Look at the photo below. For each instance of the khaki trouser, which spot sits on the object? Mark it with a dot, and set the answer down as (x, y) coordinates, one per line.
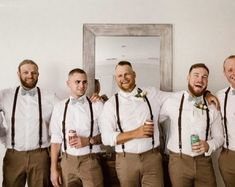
(135, 170)
(187, 171)
(31, 166)
(81, 171)
(227, 167)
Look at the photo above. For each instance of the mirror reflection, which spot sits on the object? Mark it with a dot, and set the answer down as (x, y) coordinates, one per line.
(142, 52)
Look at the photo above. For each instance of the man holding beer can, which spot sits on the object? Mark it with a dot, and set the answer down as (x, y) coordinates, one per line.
(194, 133)
(74, 129)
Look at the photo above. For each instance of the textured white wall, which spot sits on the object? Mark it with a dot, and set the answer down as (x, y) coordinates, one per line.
(50, 32)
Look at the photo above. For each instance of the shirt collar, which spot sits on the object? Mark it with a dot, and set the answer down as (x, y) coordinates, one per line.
(129, 94)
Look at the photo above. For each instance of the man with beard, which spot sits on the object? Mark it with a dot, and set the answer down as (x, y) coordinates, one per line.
(74, 128)
(226, 97)
(194, 133)
(27, 110)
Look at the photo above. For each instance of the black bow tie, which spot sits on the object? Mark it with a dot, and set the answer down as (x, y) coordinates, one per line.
(31, 92)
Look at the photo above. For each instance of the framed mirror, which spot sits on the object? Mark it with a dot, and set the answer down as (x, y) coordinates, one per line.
(161, 33)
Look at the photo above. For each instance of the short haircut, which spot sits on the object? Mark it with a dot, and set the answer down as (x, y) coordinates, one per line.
(228, 58)
(27, 61)
(199, 65)
(122, 63)
(77, 70)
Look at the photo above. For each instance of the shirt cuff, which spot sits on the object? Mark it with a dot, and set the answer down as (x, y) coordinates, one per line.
(56, 139)
(211, 148)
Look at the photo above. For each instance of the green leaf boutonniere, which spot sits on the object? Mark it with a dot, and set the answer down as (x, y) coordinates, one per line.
(201, 106)
(141, 94)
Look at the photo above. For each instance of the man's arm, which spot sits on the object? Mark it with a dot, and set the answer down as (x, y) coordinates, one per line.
(55, 175)
(144, 131)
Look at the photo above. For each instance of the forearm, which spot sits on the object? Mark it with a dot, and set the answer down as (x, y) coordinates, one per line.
(125, 136)
(55, 149)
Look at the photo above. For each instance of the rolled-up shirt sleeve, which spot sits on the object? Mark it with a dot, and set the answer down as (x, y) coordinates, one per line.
(56, 124)
(108, 125)
(217, 135)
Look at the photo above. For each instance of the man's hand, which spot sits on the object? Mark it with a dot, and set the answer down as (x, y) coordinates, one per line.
(200, 147)
(79, 141)
(145, 131)
(95, 97)
(211, 99)
(55, 178)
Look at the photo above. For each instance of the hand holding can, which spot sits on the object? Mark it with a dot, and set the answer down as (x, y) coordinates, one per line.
(194, 139)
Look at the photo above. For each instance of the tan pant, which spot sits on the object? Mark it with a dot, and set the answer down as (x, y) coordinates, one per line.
(81, 171)
(187, 171)
(135, 170)
(227, 167)
(33, 166)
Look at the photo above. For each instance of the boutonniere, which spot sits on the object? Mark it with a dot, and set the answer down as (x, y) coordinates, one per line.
(141, 94)
(201, 106)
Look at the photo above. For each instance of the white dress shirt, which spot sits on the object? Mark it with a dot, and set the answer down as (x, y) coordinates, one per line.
(193, 121)
(230, 113)
(133, 113)
(78, 118)
(26, 118)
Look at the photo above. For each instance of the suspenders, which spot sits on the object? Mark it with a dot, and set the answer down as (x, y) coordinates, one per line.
(13, 117)
(225, 116)
(118, 117)
(180, 119)
(64, 119)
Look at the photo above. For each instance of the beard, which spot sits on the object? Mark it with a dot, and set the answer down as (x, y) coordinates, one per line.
(197, 94)
(28, 85)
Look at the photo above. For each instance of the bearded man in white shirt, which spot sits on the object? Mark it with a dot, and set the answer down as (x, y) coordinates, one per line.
(127, 123)
(27, 110)
(226, 97)
(194, 133)
(74, 129)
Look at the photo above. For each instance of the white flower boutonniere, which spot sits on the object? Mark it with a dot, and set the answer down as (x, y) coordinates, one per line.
(141, 94)
(201, 106)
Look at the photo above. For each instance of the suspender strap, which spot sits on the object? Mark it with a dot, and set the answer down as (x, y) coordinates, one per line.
(207, 118)
(179, 123)
(63, 124)
(92, 122)
(118, 119)
(40, 116)
(13, 118)
(225, 116)
(151, 114)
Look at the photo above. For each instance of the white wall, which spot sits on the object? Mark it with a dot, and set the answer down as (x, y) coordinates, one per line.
(50, 32)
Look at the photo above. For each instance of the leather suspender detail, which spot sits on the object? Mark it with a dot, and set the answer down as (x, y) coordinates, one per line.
(64, 120)
(118, 120)
(40, 116)
(63, 124)
(225, 116)
(13, 117)
(92, 122)
(207, 119)
(179, 123)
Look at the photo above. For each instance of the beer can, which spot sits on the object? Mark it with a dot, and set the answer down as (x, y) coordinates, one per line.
(194, 138)
(72, 134)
